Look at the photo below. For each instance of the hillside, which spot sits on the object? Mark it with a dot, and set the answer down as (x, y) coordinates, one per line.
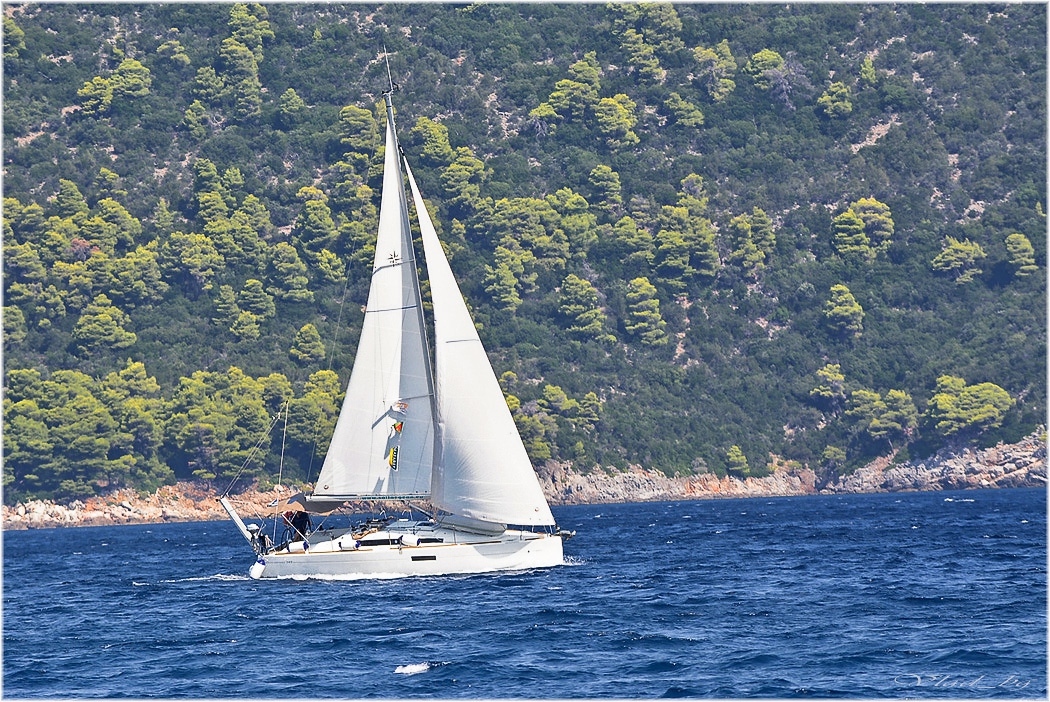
(696, 238)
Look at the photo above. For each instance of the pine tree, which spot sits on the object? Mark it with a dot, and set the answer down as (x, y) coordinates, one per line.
(1022, 254)
(643, 308)
(102, 325)
(307, 347)
(959, 258)
(843, 312)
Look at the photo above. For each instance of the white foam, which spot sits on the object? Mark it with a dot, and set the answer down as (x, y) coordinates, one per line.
(412, 668)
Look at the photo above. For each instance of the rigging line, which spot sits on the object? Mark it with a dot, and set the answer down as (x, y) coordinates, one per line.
(335, 340)
(251, 454)
(280, 472)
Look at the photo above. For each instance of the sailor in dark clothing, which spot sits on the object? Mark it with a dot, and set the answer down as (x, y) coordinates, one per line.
(301, 524)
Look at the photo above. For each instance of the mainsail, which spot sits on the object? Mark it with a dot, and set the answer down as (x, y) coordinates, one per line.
(481, 469)
(383, 445)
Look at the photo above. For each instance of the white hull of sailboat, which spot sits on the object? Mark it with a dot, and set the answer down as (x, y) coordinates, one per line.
(343, 559)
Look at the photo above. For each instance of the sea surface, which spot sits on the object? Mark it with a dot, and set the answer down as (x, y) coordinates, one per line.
(921, 595)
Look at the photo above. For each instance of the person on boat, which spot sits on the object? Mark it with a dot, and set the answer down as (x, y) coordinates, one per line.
(301, 525)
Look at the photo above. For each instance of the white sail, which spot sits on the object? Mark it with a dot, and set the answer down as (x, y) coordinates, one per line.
(383, 444)
(481, 469)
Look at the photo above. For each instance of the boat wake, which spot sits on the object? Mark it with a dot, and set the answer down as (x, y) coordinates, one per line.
(218, 577)
(417, 668)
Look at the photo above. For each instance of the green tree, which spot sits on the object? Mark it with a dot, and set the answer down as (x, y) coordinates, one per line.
(131, 80)
(761, 64)
(631, 244)
(69, 201)
(867, 72)
(606, 187)
(312, 417)
(736, 462)
(878, 221)
(744, 251)
(641, 55)
(671, 260)
(241, 78)
(249, 26)
(830, 392)
(14, 326)
(217, 423)
(572, 97)
(643, 309)
(191, 259)
(717, 68)
(173, 51)
(108, 184)
(14, 39)
(960, 409)
(513, 273)
(463, 178)
(359, 135)
(843, 313)
(577, 222)
(226, 308)
(849, 238)
(136, 279)
(307, 347)
(959, 258)
(96, 96)
(898, 416)
(579, 306)
(314, 229)
(616, 120)
(102, 325)
(762, 232)
(685, 113)
(253, 298)
(433, 136)
(209, 86)
(291, 108)
(245, 327)
(835, 102)
(1022, 255)
(195, 120)
(287, 273)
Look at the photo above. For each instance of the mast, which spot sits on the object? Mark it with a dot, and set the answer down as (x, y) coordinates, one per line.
(388, 97)
(383, 444)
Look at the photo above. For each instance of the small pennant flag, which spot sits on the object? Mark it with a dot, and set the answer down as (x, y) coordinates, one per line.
(399, 426)
(393, 458)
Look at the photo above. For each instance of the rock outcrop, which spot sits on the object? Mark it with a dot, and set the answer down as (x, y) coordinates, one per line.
(564, 486)
(1017, 465)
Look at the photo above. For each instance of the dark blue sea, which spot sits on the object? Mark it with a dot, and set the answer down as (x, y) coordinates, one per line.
(922, 595)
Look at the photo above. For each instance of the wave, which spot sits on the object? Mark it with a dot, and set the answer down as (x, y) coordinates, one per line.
(417, 668)
(218, 577)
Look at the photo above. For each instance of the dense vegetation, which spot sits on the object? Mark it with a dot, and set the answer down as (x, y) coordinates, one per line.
(695, 237)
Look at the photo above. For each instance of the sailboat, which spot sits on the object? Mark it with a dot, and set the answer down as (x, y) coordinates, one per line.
(418, 430)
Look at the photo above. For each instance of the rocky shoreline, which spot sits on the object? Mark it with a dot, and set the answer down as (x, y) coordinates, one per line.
(1016, 465)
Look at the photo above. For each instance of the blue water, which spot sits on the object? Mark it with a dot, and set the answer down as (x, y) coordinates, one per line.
(936, 595)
